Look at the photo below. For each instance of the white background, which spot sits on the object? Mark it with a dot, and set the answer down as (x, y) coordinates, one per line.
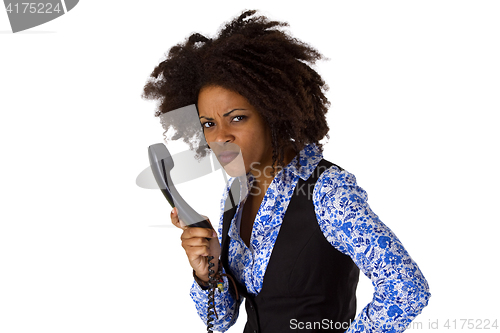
(414, 88)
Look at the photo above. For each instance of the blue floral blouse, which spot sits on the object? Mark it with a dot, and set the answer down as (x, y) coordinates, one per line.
(348, 223)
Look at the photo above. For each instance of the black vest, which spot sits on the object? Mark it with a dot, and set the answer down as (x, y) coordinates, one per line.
(308, 285)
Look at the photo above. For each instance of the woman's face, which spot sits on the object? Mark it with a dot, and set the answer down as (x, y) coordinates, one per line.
(231, 124)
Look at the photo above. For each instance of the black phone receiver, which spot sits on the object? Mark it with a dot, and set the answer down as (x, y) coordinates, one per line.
(161, 163)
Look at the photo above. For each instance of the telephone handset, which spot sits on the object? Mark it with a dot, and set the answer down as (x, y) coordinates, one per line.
(161, 163)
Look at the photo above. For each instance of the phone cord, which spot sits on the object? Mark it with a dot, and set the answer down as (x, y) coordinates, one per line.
(211, 296)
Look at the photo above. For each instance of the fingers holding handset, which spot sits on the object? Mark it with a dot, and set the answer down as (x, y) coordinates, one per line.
(174, 216)
(199, 243)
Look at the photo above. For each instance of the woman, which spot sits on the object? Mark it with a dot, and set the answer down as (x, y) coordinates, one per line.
(295, 244)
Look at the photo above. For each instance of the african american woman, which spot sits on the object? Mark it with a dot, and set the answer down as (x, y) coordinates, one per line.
(293, 247)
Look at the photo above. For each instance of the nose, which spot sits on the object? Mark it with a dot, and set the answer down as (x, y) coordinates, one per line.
(223, 134)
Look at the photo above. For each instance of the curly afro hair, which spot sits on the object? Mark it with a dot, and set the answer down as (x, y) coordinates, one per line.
(257, 59)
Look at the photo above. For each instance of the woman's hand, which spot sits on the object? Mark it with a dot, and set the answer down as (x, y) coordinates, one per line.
(197, 246)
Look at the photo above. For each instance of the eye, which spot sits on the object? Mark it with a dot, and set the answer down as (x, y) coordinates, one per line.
(207, 124)
(239, 118)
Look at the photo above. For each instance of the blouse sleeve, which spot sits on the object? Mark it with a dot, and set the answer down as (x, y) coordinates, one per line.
(226, 306)
(348, 223)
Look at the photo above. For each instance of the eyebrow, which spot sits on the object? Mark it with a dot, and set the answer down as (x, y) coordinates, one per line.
(224, 115)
